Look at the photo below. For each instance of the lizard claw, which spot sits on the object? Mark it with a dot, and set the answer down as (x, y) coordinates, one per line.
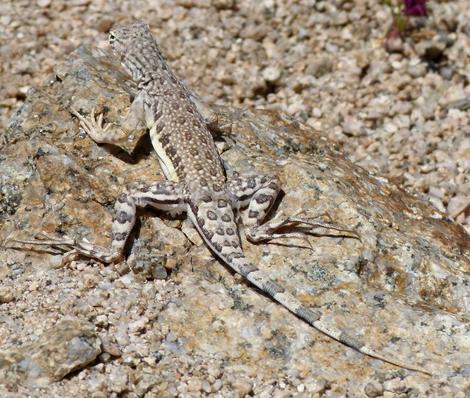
(69, 248)
(299, 226)
(49, 244)
(92, 125)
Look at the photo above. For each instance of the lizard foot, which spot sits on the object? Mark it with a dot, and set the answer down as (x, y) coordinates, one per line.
(70, 248)
(298, 226)
(93, 126)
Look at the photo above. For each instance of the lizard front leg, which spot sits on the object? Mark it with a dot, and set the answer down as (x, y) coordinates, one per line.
(259, 193)
(122, 135)
(165, 195)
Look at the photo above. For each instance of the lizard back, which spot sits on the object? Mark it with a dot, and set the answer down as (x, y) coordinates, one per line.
(183, 143)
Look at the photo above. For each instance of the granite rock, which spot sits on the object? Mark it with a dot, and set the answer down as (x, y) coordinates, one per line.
(68, 346)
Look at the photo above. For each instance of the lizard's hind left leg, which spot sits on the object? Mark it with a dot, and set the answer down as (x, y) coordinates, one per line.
(259, 193)
(163, 195)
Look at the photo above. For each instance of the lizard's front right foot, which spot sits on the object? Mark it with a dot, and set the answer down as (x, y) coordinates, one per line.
(93, 126)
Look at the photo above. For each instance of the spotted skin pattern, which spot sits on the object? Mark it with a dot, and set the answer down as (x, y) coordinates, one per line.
(196, 178)
(258, 192)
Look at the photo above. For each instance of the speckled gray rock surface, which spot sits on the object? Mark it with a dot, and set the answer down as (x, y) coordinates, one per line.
(202, 330)
(68, 346)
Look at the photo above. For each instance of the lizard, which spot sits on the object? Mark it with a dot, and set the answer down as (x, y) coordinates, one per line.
(196, 181)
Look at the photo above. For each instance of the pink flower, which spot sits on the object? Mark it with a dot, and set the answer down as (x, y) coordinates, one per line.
(415, 8)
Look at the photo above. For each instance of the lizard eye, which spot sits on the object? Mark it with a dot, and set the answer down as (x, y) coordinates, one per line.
(112, 38)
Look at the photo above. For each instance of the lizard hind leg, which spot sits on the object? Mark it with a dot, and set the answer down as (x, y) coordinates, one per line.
(259, 194)
(163, 195)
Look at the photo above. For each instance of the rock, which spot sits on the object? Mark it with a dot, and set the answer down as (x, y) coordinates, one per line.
(353, 127)
(67, 347)
(458, 206)
(461, 104)
(374, 389)
(6, 295)
(418, 70)
(431, 50)
(395, 385)
(44, 3)
(446, 72)
(118, 378)
(272, 74)
(402, 287)
(319, 66)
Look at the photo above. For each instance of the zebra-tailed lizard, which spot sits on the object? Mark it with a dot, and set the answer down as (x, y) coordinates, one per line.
(196, 181)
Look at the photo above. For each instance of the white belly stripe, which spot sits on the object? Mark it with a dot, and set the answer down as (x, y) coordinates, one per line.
(165, 161)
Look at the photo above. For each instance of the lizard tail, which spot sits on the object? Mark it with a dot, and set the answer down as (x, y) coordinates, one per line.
(215, 222)
(259, 278)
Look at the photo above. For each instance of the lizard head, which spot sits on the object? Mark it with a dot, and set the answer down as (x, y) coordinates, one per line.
(129, 42)
(123, 38)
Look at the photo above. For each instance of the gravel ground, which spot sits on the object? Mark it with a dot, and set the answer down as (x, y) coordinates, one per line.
(403, 114)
